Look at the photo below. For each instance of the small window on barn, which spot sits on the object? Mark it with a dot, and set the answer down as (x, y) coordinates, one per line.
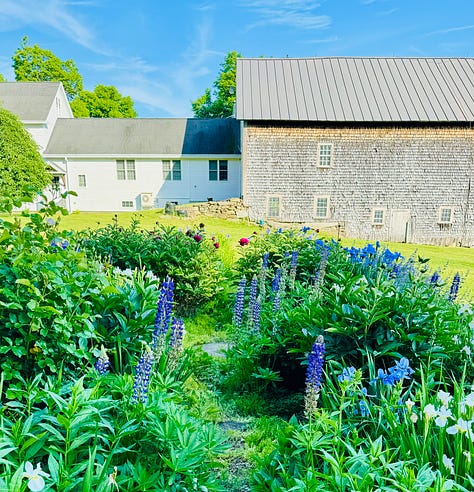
(127, 204)
(445, 215)
(321, 207)
(324, 155)
(378, 216)
(273, 206)
(81, 179)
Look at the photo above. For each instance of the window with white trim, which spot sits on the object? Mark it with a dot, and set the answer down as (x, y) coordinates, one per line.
(81, 180)
(324, 155)
(445, 215)
(126, 170)
(378, 216)
(218, 170)
(321, 207)
(127, 204)
(171, 170)
(273, 206)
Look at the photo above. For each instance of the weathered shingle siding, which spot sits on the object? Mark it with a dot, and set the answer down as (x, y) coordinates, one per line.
(395, 168)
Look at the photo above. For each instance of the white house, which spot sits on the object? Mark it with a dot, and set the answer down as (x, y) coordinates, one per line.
(127, 164)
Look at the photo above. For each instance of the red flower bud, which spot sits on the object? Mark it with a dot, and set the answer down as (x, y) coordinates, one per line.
(197, 238)
(216, 245)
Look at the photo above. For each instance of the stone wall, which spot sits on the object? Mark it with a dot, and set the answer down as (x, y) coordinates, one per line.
(412, 171)
(228, 209)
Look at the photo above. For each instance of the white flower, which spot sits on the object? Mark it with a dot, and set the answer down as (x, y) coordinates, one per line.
(409, 404)
(466, 349)
(460, 426)
(430, 411)
(444, 397)
(443, 415)
(456, 339)
(467, 454)
(34, 476)
(448, 463)
(469, 400)
(414, 417)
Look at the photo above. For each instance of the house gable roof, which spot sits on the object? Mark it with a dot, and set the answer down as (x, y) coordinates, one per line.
(30, 101)
(144, 136)
(342, 89)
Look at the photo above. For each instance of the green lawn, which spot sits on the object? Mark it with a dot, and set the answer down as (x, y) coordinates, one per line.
(448, 260)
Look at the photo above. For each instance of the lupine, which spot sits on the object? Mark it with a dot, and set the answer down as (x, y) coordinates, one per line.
(256, 316)
(163, 316)
(453, 292)
(176, 342)
(435, 278)
(313, 375)
(252, 301)
(263, 276)
(239, 302)
(102, 363)
(293, 265)
(142, 376)
(321, 271)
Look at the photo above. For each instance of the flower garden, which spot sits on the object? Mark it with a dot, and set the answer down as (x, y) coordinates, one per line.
(345, 369)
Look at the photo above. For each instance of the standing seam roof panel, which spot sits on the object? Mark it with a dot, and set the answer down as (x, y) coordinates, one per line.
(265, 95)
(299, 90)
(326, 92)
(351, 92)
(308, 91)
(391, 96)
(340, 92)
(439, 98)
(424, 101)
(364, 104)
(464, 85)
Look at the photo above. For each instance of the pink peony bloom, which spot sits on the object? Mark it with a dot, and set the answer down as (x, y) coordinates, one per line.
(243, 241)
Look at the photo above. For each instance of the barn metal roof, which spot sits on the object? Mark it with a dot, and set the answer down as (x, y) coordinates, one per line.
(341, 89)
(144, 136)
(30, 101)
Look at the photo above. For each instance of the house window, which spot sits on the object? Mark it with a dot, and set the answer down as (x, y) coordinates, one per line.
(324, 155)
(273, 206)
(126, 170)
(378, 216)
(445, 215)
(171, 170)
(127, 204)
(56, 183)
(218, 170)
(81, 178)
(321, 207)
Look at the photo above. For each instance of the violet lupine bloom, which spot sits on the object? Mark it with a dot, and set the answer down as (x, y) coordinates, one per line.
(313, 375)
(435, 278)
(453, 292)
(293, 265)
(321, 271)
(263, 276)
(142, 376)
(163, 314)
(177, 334)
(252, 301)
(256, 316)
(103, 362)
(239, 302)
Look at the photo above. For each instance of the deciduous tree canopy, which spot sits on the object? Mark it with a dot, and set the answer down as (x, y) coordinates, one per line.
(219, 103)
(20, 161)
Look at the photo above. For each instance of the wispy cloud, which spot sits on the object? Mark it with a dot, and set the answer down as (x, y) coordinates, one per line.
(294, 13)
(331, 39)
(450, 30)
(386, 13)
(54, 14)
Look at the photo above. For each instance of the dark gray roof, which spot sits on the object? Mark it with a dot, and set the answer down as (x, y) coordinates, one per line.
(356, 89)
(30, 101)
(144, 136)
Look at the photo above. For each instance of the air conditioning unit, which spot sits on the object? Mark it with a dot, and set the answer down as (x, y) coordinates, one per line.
(146, 200)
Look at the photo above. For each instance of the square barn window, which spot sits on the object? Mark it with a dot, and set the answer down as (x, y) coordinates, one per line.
(324, 155)
(321, 207)
(172, 170)
(445, 215)
(378, 216)
(126, 170)
(218, 170)
(273, 206)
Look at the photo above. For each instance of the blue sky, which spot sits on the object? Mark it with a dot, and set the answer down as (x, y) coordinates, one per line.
(165, 53)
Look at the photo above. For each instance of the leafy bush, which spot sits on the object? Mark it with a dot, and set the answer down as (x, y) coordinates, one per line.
(189, 258)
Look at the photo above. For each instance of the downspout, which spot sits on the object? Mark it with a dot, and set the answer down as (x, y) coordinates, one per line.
(66, 165)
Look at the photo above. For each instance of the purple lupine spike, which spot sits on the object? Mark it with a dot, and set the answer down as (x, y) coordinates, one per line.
(163, 312)
(252, 300)
(293, 265)
(142, 376)
(265, 260)
(177, 334)
(453, 291)
(321, 270)
(102, 363)
(435, 278)
(256, 311)
(277, 302)
(276, 280)
(239, 302)
(313, 375)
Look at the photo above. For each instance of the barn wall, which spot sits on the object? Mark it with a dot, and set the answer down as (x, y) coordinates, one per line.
(407, 172)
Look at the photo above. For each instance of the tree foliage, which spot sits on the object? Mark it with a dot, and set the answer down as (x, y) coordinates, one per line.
(20, 161)
(219, 102)
(32, 63)
(105, 101)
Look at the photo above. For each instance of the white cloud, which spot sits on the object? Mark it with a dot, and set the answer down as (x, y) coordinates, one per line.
(54, 14)
(450, 30)
(294, 13)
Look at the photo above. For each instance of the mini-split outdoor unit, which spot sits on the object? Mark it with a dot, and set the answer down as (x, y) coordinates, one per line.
(146, 200)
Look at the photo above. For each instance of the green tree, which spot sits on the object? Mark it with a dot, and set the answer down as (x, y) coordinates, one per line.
(219, 103)
(104, 102)
(2, 78)
(37, 64)
(20, 162)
